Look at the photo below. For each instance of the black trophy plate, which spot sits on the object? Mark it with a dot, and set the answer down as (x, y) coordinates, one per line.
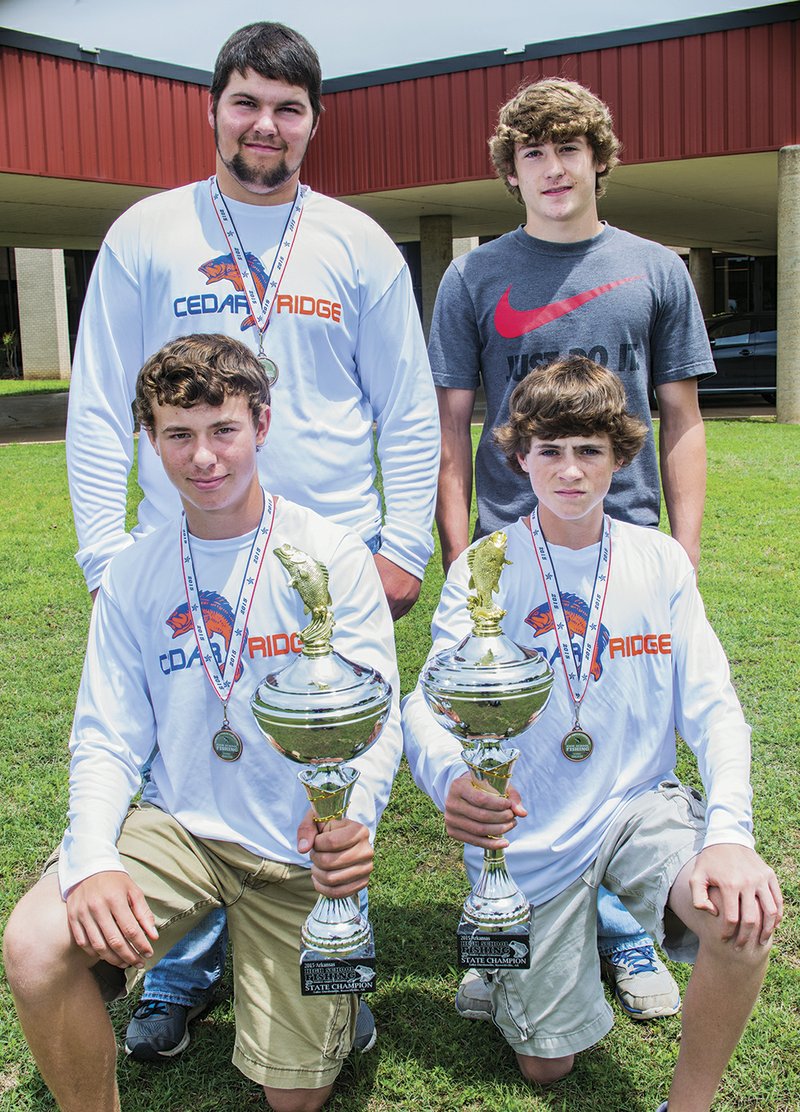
(493, 949)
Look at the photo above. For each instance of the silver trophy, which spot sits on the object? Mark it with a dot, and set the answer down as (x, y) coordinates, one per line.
(485, 690)
(321, 710)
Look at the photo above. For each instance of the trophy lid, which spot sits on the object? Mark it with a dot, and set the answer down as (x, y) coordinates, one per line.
(322, 710)
(480, 665)
(487, 687)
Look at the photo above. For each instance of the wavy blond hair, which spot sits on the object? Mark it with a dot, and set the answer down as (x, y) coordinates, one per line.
(552, 111)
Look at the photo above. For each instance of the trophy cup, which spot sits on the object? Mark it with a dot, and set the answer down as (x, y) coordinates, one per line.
(321, 710)
(484, 690)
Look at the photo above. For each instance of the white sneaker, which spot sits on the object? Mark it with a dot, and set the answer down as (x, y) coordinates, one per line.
(641, 982)
(473, 1000)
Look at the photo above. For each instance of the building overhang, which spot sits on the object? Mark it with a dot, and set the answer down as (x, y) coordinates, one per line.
(702, 107)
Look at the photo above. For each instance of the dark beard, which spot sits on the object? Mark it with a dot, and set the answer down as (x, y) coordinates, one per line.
(249, 175)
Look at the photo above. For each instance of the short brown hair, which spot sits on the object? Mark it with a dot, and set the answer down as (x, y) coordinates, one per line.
(200, 368)
(552, 111)
(274, 51)
(572, 397)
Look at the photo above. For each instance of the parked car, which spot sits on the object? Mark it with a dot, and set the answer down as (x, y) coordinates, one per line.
(744, 349)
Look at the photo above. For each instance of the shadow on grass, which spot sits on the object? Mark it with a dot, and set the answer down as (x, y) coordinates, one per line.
(415, 940)
(462, 1064)
(422, 1036)
(426, 1056)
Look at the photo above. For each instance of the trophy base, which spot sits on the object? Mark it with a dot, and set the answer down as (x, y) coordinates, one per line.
(330, 975)
(500, 949)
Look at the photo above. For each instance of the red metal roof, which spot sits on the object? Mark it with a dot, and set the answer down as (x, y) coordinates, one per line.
(71, 119)
(728, 91)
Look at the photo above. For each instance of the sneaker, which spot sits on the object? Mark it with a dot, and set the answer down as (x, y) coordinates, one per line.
(473, 999)
(366, 1032)
(159, 1030)
(641, 982)
(662, 1107)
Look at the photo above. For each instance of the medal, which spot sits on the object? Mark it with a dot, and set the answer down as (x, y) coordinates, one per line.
(260, 305)
(270, 368)
(576, 744)
(226, 743)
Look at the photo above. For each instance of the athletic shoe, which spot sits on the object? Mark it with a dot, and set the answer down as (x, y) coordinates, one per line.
(366, 1033)
(473, 1000)
(159, 1030)
(662, 1107)
(641, 982)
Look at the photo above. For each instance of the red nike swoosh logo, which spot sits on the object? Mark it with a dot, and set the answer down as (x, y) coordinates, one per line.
(512, 323)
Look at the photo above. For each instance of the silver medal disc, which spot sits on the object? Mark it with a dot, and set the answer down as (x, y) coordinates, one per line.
(577, 745)
(270, 368)
(227, 744)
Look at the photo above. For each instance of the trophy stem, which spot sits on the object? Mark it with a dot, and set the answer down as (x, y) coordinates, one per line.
(328, 787)
(496, 903)
(491, 766)
(334, 926)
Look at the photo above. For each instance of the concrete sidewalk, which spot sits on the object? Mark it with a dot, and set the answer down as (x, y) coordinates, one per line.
(26, 418)
(33, 418)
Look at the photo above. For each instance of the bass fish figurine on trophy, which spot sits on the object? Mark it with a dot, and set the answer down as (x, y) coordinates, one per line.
(321, 710)
(485, 690)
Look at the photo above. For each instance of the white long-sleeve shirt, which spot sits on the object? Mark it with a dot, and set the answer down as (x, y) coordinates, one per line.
(345, 335)
(659, 667)
(143, 684)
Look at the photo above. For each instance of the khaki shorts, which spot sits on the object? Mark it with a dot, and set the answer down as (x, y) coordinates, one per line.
(283, 1039)
(558, 1007)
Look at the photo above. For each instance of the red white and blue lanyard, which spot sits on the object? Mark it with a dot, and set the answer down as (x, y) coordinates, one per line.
(577, 677)
(260, 308)
(223, 679)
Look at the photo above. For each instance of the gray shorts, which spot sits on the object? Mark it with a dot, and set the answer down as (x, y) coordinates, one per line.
(558, 1007)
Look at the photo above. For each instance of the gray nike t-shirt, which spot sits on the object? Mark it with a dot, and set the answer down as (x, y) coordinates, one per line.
(519, 303)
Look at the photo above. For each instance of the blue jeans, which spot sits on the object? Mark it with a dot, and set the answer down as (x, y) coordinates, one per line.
(616, 927)
(188, 973)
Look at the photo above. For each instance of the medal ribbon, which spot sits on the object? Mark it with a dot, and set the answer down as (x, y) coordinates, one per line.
(223, 687)
(260, 308)
(577, 677)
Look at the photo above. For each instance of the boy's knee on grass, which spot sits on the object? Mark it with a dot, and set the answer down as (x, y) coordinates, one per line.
(37, 947)
(296, 1100)
(716, 942)
(545, 1071)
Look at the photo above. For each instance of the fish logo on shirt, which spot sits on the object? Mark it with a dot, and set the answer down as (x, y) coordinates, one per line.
(217, 615)
(224, 269)
(577, 614)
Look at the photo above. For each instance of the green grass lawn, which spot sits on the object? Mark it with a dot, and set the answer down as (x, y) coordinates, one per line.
(10, 386)
(427, 1058)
